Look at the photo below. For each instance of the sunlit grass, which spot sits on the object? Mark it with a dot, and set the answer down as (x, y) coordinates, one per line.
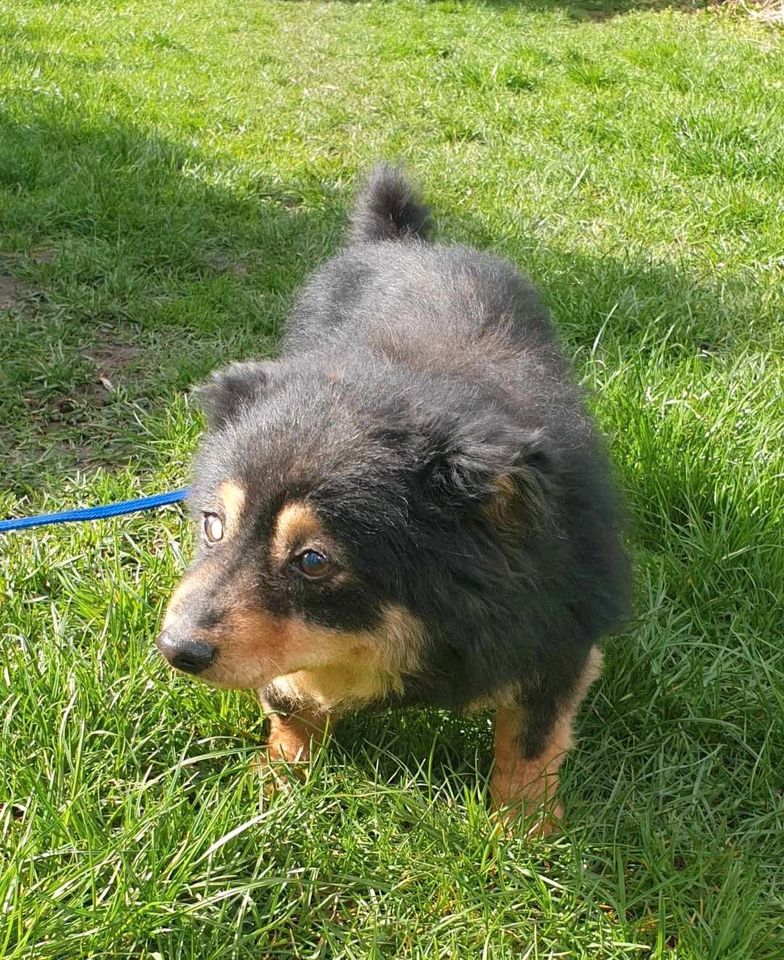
(169, 173)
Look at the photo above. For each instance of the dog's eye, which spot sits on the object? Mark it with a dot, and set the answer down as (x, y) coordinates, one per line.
(213, 527)
(312, 563)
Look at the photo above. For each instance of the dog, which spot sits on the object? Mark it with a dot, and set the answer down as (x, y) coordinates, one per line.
(411, 506)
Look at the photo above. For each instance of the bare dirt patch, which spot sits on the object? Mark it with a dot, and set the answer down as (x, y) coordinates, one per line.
(44, 255)
(13, 293)
(219, 262)
(112, 361)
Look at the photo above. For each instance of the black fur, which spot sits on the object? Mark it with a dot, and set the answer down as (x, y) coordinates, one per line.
(417, 380)
(388, 209)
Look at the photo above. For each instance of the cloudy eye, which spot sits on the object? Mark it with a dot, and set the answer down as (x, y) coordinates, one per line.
(312, 563)
(213, 527)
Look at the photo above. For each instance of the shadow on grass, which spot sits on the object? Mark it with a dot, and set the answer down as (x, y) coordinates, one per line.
(133, 273)
(452, 750)
(583, 10)
(127, 272)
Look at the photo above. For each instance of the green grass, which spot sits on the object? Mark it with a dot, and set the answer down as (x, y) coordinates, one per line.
(169, 173)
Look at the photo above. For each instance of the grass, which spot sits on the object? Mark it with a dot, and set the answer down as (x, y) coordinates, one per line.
(168, 175)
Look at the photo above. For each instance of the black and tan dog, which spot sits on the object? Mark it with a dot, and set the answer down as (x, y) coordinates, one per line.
(410, 507)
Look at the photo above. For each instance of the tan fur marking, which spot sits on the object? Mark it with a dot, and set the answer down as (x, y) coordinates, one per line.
(508, 696)
(251, 645)
(232, 499)
(348, 669)
(591, 673)
(524, 787)
(521, 787)
(295, 524)
(309, 663)
(515, 499)
(501, 509)
(292, 738)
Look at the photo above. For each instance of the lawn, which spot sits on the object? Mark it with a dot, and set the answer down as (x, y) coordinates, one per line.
(169, 173)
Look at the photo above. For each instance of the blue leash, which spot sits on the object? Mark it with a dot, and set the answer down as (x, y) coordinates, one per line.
(95, 513)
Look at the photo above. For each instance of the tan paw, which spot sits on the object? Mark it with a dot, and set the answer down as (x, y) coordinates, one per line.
(277, 775)
(515, 821)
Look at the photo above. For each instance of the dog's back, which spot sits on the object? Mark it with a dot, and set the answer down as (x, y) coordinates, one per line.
(391, 282)
(468, 319)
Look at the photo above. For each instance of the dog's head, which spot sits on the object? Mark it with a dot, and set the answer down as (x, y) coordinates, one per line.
(332, 509)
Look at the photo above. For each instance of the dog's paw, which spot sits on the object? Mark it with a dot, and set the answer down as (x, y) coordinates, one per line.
(547, 823)
(277, 775)
(533, 824)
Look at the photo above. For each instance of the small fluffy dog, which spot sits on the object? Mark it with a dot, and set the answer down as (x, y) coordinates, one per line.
(411, 506)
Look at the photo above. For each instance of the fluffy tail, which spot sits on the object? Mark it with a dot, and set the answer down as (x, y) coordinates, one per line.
(388, 208)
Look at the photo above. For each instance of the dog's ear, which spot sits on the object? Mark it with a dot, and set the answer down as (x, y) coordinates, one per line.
(503, 472)
(519, 499)
(230, 390)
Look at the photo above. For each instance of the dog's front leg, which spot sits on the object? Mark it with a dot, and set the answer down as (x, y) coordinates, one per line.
(531, 743)
(294, 736)
(295, 732)
(524, 781)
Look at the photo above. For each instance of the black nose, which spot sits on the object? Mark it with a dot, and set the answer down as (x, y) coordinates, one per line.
(192, 656)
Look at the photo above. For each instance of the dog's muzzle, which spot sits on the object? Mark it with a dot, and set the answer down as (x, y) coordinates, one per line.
(191, 656)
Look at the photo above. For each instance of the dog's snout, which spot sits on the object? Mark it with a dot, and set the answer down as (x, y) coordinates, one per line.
(191, 656)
